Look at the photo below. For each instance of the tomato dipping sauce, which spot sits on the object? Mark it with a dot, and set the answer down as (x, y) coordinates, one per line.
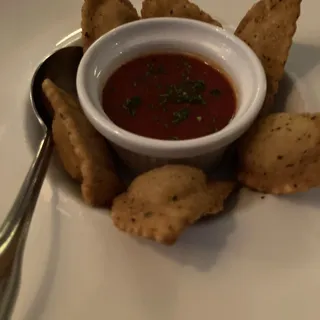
(169, 97)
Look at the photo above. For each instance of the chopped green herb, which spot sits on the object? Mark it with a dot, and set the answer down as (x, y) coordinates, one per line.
(180, 116)
(173, 138)
(186, 92)
(196, 99)
(132, 104)
(164, 98)
(199, 85)
(199, 118)
(186, 64)
(166, 125)
(148, 214)
(215, 92)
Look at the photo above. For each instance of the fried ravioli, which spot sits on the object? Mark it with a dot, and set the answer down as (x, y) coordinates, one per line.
(280, 154)
(268, 28)
(162, 203)
(83, 151)
(101, 16)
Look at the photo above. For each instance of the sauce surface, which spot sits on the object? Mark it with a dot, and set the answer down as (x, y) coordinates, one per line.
(169, 97)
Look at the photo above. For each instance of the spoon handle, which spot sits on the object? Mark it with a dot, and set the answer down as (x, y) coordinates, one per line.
(13, 231)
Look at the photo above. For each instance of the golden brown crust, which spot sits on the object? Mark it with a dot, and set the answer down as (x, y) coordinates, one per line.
(268, 28)
(280, 154)
(175, 8)
(101, 16)
(69, 159)
(160, 204)
(83, 151)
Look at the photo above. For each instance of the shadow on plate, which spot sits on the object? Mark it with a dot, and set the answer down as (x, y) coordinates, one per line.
(303, 59)
(310, 198)
(200, 245)
(286, 87)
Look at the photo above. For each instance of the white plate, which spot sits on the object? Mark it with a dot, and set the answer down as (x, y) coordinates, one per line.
(260, 262)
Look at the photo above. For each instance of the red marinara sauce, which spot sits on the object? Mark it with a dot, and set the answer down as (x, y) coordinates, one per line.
(169, 97)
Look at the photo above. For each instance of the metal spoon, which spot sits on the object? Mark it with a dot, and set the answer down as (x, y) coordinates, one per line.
(61, 67)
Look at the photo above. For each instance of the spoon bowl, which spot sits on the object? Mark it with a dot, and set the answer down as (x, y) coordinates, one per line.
(67, 59)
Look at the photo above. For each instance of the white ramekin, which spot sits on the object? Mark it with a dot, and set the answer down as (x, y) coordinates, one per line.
(147, 36)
